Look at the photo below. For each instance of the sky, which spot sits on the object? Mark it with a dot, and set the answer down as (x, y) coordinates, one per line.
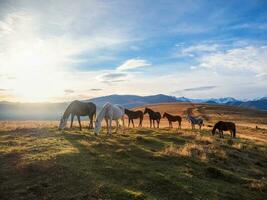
(53, 51)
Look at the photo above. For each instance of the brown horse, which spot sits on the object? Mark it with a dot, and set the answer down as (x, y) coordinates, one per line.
(134, 115)
(153, 116)
(224, 126)
(78, 108)
(173, 118)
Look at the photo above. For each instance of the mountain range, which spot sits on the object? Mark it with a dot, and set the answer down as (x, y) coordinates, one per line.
(50, 111)
(131, 101)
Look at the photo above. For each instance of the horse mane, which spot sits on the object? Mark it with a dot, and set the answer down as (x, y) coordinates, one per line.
(67, 111)
(100, 115)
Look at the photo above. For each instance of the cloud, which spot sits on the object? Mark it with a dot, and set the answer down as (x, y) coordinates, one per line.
(133, 64)
(69, 91)
(2, 90)
(109, 77)
(260, 26)
(95, 89)
(249, 58)
(202, 88)
(195, 50)
(200, 48)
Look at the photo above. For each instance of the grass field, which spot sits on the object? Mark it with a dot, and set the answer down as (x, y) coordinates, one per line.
(39, 162)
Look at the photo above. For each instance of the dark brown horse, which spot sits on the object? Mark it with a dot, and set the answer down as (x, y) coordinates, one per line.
(153, 116)
(173, 118)
(78, 108)
(134, 115)
(224, 126)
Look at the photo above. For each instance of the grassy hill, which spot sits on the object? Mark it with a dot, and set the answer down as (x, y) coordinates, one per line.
(39, 162)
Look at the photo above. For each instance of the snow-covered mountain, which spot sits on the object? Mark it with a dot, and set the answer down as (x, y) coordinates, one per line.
(211, 100)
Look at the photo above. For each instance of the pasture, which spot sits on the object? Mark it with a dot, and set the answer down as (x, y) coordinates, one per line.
(37, 161)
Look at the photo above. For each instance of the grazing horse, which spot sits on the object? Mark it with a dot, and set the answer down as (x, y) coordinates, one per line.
(224, 126)
(78, 108)
(153, 116)
(194, 121)
(173, 118)
(110, 112)
(134, 115)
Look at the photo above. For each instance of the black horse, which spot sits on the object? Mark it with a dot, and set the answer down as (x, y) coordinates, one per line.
(224, 126)
(134, 115)
(153, 116)
(78, 108)
(173, 118)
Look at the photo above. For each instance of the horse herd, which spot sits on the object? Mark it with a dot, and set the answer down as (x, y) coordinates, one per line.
(116, 112)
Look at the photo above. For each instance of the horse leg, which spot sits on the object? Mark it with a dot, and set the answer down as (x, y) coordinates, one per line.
(158, 122)
(171, 125)
(150, 123)
(106, 124)
(90, 122)
(123, 125)
(141, 121)
(221, 134)
(133, 122)
(129, 121)
(110, 126)
(117, 126)
(153, 123)
(79, 120)
(232, 133)
(71, 121)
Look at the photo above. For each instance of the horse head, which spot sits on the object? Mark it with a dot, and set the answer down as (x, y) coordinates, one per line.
(214, 129)
(188, 117)
(164, 114)
(62, 123)
(97, 126)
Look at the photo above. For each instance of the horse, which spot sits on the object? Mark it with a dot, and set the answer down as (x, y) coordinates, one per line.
(153, 116)
(110, 112)
(194, 121)
(78, 108)
(173, 118)
(224, 126)
(134, 115)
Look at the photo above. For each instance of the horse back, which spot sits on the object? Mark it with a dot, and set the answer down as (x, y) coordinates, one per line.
(82, 108)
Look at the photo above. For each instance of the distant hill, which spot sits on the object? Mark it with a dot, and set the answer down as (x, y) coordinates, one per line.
(260, 103)
(131, 101)
(257, 104)
(52, 111)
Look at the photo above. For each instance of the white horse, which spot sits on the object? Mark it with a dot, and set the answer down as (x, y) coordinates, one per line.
(110, 112)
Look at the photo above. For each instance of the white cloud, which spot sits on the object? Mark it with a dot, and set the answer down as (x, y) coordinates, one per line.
(200, 48)
(249, 58)
(133, 64)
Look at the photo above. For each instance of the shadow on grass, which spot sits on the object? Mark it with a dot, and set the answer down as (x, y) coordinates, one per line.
(118, 167)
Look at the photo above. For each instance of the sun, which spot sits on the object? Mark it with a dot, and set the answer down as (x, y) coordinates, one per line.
(37, 75)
